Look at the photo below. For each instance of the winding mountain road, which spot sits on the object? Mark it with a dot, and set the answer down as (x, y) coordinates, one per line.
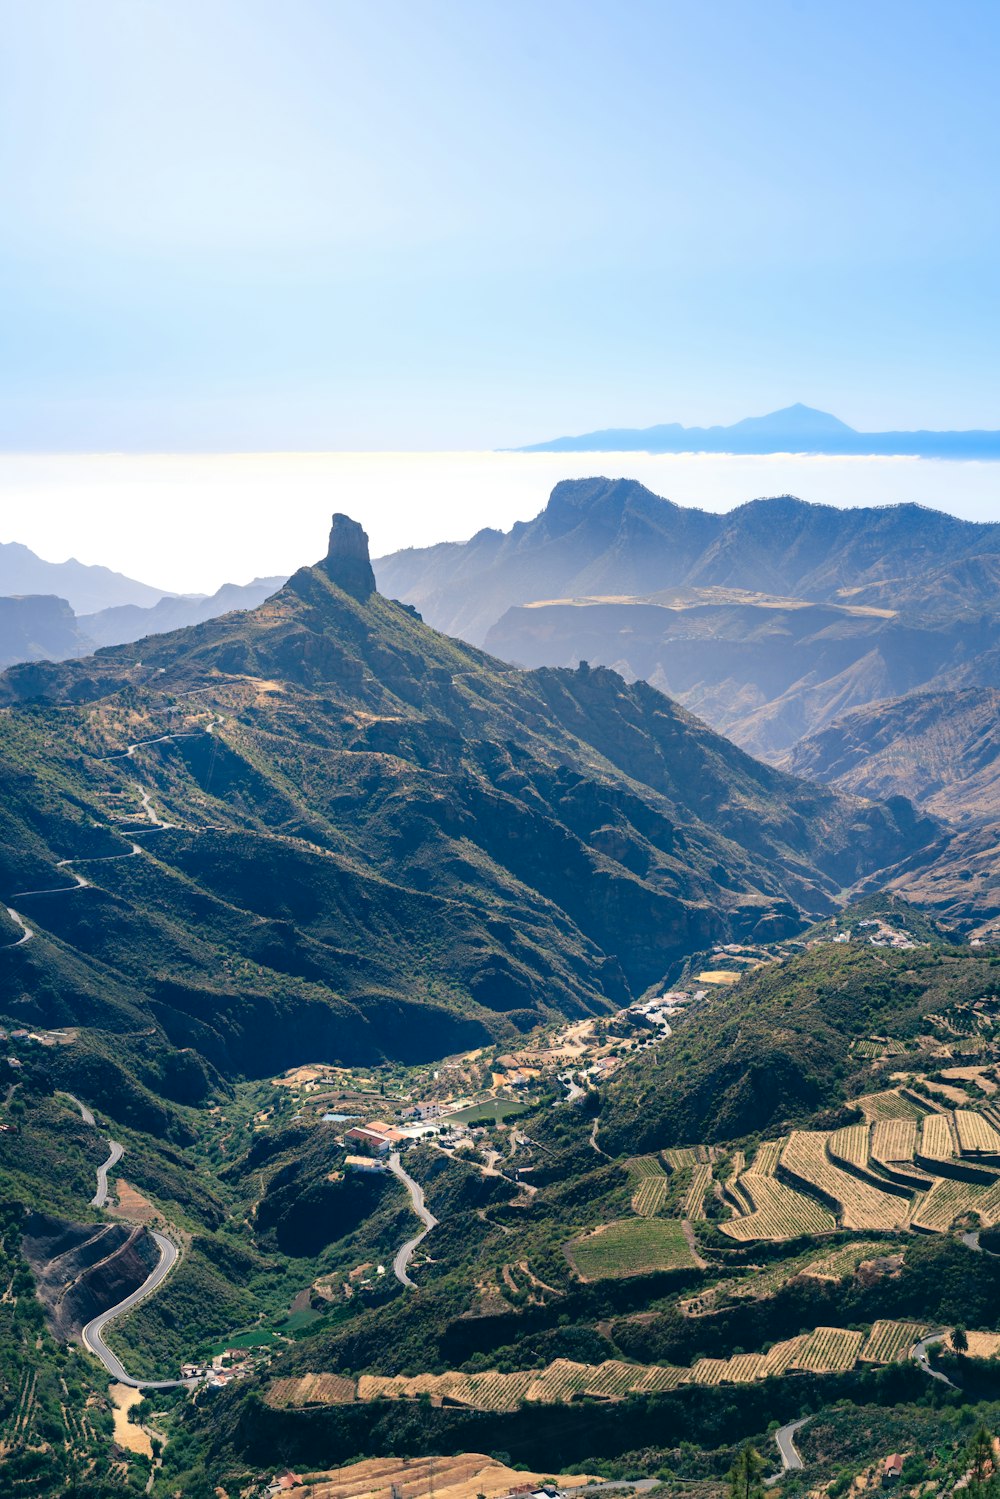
(919, 1353)
(93, 1332)
(787, 1450)
(416, 1191)
(27, 932)
(100, 1197)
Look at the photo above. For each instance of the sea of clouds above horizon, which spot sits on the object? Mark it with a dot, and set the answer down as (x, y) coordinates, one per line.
(188, 522)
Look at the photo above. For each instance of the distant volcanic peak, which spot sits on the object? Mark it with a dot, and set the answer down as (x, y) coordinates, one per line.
(347, 562)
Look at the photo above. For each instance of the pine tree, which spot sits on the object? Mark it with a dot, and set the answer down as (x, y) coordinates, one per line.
(745, 1481)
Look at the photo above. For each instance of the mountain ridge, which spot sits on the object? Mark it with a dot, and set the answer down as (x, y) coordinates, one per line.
(795, 428)
(369, 836)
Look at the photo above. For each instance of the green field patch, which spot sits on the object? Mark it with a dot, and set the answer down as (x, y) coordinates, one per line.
(499, 1109)
(630, 1246)
(258, 1338)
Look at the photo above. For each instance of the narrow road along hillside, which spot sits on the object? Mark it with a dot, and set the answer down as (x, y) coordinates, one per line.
(26, 931)
(100, 1197)
(787, 1450)
(93, 1332)
(416, 1191)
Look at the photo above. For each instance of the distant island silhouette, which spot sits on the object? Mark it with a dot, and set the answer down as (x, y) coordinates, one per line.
(794, 429)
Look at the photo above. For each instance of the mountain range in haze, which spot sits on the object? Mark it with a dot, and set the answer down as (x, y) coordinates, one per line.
(794, 429)
(858, 647)
(51, 611)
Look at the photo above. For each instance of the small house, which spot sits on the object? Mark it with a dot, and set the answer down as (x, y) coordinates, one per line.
(892, 1470)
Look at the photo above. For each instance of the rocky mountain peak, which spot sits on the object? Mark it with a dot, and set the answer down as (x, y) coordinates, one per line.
(347, 562)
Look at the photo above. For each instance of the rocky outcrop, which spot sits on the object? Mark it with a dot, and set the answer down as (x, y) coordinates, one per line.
(82, 1269)
(347, 561)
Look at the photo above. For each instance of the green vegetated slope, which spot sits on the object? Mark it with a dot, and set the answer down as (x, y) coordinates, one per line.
(775, 1048)
(379, 840)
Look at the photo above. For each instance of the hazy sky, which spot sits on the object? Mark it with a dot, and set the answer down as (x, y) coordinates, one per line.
(189, 522)
(397, 224)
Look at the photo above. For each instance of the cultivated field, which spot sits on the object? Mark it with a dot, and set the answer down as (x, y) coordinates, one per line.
(937, 1143)
(650, 1182)
(630, 1246)
(976, 1135)
(890, 1341)
(778, 1212)
(887, 1105)
(894, 1140)
(679, 1156)
(860, 1204)
(694, 1202)
(462, 1477)
(826, 1350)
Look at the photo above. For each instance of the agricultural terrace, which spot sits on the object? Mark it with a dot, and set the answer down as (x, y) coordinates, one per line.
(469, 1476)
(777, 1211)
(976, 1135)
(861, 1205)
(826, 1350)
(890, 1341)
(937, 1143)
(679, 1156)
(694, 1202)
(887, 1105)
(630, 1246)
(650, 1185)
(850, 1145)
(894, 1139)
(936, 1210)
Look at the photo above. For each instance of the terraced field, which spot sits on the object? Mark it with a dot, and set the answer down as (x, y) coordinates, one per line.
(936, 1210)
(825, 1350)
(630, 1246)
(937, 1143)
(679, 1156)
(976, 1135)
(650, 1182)
(850, 1144)
(894, 1139)
(860, 1204)
(886, 1105)
(778, 1212)
(694, 1202)
(890, 1341)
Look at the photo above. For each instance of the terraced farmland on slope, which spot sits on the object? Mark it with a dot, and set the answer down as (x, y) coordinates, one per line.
(825, 1350)
(850, 1145)
(859, 1204)
(937, 1143)
(694, 1202)
(650, 1183)
(630, 1246)
(948, 1199)
(679, 1156)
(886, 1105)
(890, 1341)
(894, 1139)
(777, 1211)
(976, 1135)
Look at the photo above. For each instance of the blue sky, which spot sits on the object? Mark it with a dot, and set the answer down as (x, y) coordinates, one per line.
(241, 225)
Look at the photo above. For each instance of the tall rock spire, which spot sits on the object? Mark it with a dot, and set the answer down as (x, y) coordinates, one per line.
(347, 561)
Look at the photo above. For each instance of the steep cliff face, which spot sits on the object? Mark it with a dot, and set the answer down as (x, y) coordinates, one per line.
(39, 627)
(82, 1269)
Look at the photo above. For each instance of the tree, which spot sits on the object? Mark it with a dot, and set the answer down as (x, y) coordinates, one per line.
(959, 1340)
(745, 1481)
(980, 1460)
